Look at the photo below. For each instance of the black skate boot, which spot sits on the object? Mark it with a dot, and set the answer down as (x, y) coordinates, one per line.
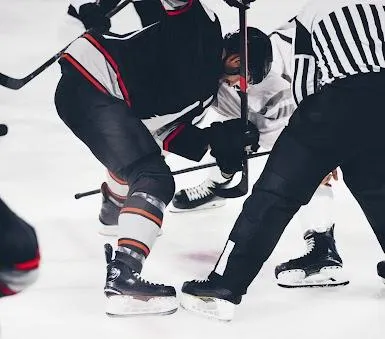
(129, 294)
(109, 212)
(199, 197)
(381, 270)
(321, 266)
(207, 298)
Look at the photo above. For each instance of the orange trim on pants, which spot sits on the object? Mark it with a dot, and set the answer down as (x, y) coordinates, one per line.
(118, 180)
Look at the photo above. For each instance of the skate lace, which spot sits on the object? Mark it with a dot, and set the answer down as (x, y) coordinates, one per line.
(201, 281)
(310, 244)
(200, 191)
(144, 281)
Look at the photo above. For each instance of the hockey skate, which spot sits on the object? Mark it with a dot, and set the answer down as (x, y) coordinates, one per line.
(381, 270)
(200, 197)
(128, 294)
(321, 266)
(206, 298)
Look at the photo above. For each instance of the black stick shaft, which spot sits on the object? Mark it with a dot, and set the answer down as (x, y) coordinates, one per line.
(182, 171)
(14, 83)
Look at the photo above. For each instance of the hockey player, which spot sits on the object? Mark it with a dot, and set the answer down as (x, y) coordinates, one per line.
(344, 40)
(113, 91)
(270, 106)
(19, 251)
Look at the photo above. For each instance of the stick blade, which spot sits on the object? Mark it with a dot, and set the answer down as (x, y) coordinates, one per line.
(11, 83)
(237, 191)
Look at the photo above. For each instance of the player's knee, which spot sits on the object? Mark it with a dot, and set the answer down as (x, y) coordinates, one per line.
(153, 177)
(293, 170)
(275, 184)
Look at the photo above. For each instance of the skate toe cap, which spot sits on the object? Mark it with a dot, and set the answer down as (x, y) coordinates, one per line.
(180, 199)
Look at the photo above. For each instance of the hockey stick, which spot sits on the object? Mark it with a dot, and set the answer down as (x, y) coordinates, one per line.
(243, 187)
(14, 83)
(185, 170)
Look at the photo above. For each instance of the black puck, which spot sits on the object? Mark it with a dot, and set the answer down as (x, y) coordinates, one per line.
(3, 129)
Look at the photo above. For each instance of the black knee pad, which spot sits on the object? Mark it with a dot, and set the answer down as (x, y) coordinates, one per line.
(294, 170)
(153, 176)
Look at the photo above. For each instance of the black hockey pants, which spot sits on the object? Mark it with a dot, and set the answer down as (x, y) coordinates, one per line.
(116, 137)
(342, 125)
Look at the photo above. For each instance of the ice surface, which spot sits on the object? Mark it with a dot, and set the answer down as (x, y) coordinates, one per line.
(42, 165)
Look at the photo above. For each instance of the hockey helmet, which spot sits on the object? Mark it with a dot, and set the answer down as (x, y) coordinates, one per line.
(260, 55)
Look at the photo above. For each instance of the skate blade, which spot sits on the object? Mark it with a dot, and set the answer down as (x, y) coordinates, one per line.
(207, 206)
(113, 231)
(209, 307)
(125, 306)
(331, 276)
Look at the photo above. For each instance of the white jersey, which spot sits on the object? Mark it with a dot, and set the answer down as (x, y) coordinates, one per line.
(270, 102)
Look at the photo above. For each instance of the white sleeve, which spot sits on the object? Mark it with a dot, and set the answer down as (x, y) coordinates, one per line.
(78, 3)
(270, 106)
(318, 214)
(306, 71)
(282, 42)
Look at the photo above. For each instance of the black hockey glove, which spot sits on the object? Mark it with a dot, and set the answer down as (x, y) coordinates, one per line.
(93, 16)
(228, 140)
(239, 3)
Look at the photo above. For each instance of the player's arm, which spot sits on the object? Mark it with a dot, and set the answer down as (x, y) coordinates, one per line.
(177, 7)
(305, 70)
(227, 141)
(149, 11)
(93, 14)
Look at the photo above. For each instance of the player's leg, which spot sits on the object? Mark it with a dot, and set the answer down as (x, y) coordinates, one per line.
(364, 175)
(19, 253)
(149, 11)
(321, 265)
(324, 130)
(283, 187)
(123, 144)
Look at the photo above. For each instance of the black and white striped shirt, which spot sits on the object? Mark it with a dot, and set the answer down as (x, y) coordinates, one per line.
(335, 39)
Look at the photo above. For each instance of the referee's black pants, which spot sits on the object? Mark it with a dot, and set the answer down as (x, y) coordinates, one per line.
(342, 125)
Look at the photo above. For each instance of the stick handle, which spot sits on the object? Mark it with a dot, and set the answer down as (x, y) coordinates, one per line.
(185, 170)
(15, 83)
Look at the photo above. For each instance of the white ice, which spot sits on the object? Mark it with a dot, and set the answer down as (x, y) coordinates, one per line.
(42, 165)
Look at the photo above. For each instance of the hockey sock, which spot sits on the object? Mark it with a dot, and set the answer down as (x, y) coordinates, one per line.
(318, 213)
(139, 223)
(118, 188)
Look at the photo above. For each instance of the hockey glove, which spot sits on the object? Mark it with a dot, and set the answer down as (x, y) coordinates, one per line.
(228, 141)
(93, 17)
(239, 3)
